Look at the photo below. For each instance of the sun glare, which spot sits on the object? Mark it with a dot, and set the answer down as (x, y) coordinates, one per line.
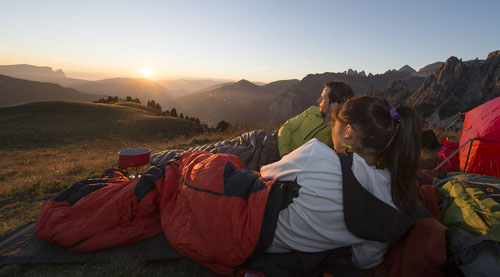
(147, 72)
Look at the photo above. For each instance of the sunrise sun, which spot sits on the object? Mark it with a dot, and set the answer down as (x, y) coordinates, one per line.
(147, 72)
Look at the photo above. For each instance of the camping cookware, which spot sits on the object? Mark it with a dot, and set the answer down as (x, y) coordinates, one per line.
(133, 157)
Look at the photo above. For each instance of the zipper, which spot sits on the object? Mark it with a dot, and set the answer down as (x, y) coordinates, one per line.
(322, 124)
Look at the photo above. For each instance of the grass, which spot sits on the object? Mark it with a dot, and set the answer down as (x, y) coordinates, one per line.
(56, 123)
(46, 147)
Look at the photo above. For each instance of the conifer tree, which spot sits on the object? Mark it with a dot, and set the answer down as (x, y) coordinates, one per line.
(173, 112)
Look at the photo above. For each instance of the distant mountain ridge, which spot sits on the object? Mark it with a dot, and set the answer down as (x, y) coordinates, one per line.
(15, 91)
(184, 87)
(241, 101)
(38, 73)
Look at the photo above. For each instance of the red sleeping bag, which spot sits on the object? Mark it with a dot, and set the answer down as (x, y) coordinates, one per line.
(210, 210)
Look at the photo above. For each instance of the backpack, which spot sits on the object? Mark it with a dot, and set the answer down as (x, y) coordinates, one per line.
(471, 211)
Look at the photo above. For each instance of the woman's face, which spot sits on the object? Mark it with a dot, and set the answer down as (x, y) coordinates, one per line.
(338, 134)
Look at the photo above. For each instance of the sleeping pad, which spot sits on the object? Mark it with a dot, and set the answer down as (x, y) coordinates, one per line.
(209, 208)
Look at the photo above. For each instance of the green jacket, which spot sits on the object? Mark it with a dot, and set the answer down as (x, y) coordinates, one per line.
(303, 127)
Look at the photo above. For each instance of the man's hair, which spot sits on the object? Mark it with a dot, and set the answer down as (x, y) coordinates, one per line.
(339, 92)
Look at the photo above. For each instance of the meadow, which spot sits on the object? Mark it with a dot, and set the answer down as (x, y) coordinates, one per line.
(45, 147)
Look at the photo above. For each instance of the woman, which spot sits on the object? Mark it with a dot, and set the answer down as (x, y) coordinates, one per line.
(386, 147)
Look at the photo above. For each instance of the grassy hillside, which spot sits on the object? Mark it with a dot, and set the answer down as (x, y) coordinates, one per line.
(57, 123)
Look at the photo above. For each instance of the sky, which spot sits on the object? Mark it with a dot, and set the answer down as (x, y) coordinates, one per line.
(256, 40)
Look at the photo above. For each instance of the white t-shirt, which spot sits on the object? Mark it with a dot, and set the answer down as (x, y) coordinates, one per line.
(314, 221)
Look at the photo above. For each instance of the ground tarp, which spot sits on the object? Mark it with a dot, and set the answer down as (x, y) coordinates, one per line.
(22, 246)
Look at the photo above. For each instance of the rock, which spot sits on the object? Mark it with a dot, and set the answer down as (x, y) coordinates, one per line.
(457, 87)
(407, 68)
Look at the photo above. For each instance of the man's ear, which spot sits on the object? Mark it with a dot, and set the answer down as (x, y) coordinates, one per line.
(334, 107)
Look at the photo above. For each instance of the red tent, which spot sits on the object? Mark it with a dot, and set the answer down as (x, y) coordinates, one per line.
(482, 130)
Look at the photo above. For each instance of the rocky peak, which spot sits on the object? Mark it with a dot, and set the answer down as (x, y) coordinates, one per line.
(428, 69)
(493, 54)
(407, 68)
(242, 84)
(395, 92)
(457, 87)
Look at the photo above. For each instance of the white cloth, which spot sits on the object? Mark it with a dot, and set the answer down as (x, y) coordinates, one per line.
(314, 221)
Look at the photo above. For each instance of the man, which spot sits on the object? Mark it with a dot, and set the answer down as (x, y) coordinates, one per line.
(315, 122)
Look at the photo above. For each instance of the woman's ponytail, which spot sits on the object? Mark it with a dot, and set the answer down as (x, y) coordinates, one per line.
(403, 160)
(395, 136)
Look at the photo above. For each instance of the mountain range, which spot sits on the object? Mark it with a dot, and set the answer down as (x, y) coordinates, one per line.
(439, 91)
(242, 101)
(15, 91)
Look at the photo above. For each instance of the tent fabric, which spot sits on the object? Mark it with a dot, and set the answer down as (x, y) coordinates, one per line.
(482, 124)
(22, 246)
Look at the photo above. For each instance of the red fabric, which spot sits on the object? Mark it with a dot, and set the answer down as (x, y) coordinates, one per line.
(190, 204)
(446, 149)
(107, 218)
(423, 250)
(425, 177)
(482, 122)
(219, 242)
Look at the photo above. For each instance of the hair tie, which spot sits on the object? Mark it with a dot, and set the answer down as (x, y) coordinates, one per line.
(394, 114)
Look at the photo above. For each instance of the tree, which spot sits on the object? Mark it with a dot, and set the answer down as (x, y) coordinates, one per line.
(152, 104)
(222, 126)
(173, 112)
(158, 107)
(137, 101)
(181, 116)
(128, 99)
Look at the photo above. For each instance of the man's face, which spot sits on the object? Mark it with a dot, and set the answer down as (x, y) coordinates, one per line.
(324, 102)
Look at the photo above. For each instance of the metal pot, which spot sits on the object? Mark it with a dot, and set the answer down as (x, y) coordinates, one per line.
(133, 157)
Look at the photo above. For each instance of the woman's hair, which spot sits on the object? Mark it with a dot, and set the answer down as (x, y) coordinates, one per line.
(339, 92)
(395, 135)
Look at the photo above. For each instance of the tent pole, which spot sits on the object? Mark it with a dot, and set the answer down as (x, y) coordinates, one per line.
(468, 154)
